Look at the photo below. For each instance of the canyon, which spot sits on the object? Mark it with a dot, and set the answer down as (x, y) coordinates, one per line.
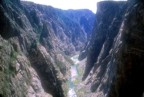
(49, 52)
(36, 44)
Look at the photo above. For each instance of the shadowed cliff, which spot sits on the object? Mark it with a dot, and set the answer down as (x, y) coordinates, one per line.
(115, 51)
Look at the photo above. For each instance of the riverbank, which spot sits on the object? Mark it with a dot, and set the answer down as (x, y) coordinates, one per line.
(75, 82)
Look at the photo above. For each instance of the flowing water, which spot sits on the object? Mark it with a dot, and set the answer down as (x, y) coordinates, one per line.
(74, 74)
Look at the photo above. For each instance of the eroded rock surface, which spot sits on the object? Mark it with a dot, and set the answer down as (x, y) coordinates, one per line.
(115, 52)
(35, 44)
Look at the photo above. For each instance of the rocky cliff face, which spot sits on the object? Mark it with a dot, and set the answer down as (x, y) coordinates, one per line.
(34, 43)
(115, 51)
(65, 27)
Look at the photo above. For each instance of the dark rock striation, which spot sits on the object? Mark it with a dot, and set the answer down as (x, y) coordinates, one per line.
(115, 52)
(35, 44)
(109, 18)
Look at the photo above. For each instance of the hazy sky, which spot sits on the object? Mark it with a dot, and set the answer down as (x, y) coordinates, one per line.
(71, 4)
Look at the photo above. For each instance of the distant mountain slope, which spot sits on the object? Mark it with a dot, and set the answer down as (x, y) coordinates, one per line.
(67, 26)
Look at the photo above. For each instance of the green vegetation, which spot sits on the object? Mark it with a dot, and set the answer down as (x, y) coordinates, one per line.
(67, 58)
(12, 67)
(81, 92)
(61, 66)
(9, 71)
(66, 88)
(80, 71)
(7, 68)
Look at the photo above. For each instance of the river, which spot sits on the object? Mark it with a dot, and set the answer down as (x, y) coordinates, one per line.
(74, 74)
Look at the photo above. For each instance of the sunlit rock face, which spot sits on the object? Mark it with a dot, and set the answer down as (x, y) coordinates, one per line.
(115, 56)
(66, 29)
(35, 42)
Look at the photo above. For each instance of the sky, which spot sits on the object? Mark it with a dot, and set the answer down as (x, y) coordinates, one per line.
(71, 4)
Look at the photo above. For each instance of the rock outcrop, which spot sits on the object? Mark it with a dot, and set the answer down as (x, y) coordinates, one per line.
(115, 59)
(35, 44)
(109, 18)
